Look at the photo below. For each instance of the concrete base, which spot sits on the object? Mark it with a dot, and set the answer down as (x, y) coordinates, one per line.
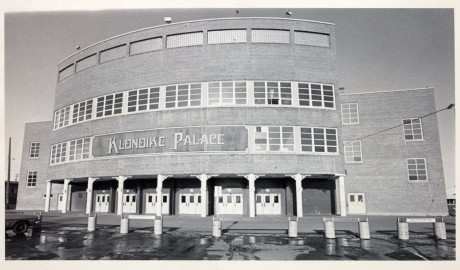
(329, 229)
(91, 223)
(364, 231)
(403, 231)
(124, 225)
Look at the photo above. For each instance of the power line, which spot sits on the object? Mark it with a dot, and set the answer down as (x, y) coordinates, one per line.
(450, 106)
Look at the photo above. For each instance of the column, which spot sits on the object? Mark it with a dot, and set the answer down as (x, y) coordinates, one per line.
(298, 194)
(160, 179)
(65, 194)
(89, 195)
(121, 180)
(48, 196)
(252, 193)
(340, 184)
(204, 194)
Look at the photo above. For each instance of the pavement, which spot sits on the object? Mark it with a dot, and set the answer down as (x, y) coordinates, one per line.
(64, 237)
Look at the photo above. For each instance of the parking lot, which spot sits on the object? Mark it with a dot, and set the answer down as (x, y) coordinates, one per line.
(189, 238)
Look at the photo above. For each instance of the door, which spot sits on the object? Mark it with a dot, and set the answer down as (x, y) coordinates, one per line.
(102, 203)
(129, 203)
(190, 204)
(231, 204)
(268, 204)
(61, 203)
(152, 201)
(356, 203)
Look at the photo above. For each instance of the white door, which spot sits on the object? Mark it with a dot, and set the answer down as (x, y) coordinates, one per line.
(268, 204)
(129, 203)
(102, 203)
(151, 203)
(61, 204)
(190, 204)
(356, 203)
(230, 204)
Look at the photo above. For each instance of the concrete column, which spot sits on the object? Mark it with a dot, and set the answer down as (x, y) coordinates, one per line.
(48, 196)
(160, 179)
(121, 180)
(65, 194)
(204, 194)
(298, 194)
(340, 184)
(252, 194)
(89, 195)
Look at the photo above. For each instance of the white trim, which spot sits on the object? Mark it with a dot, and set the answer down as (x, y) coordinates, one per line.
(387, 91)
(412, 129)
(36, 179)
(347, 161)
(426, 171)
(30, 150)
(357, 113)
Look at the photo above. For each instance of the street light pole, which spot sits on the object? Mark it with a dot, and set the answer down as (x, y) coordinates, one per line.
(7, 188)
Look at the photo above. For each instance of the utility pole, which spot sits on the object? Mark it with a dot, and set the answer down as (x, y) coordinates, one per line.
(7, 188)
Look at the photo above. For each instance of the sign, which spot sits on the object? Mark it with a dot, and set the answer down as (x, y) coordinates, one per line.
(187, 139)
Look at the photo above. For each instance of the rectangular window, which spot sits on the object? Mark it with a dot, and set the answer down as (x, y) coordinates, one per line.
(272, 93)
(184, 40)
(61, 117)
(109, 105)
(318, 140)
(58, 153)
(66, 72)
(304, 94)
(226, 36)
(32, 179)
(311, 38)
(86, 62)
(78, 149)
(350, 115)
(112, 53)
(226, 93)
(417, 169)
(183, 95)
(413, 129)
(276, 139)
(34, 150)
(82, 111)
(352, 151)
(143, 99)
(270, 36)
(146, 45)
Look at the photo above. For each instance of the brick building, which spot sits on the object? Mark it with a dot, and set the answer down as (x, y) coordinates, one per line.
(235, 116)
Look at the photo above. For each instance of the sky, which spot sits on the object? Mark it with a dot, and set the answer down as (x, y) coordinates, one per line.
(377, 49)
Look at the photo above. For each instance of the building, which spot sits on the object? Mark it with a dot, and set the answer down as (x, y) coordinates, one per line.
(235, 116)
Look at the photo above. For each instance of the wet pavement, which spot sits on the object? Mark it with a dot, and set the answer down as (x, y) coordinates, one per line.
(57, 241)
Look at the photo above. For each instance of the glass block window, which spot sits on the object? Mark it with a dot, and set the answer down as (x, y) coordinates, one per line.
(66, 72)
(319, 140)
(417, 169)
(82, 111)
(227, 93)
(109, 105)
(86, 62)
(270, 36)
(413, 129)
(226, 36)
(311, 38)
(34, 150)
(145, 45)
(352, 151)
(143, 99)
(350, 115)
(58, 153)
(183, 95)
(32, 179)
(61, 117)
(274, 139)
(184, 40)
(272, 93)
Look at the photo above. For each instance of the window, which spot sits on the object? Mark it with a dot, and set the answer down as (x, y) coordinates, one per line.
(82, 111)
(352, 151)
(61, 117)
(184, 40)
(65, 72)
(32, 179)
(109, 105)
(304, 94)
(417, 169)
(274, 139)
(58, 153)
(413, 129)
(350, 115)
(79, 149)
(34, 150)
(143, 99)
(270, 36)
(311, 38)
(226, 36)
(227, 93)
(86, 62)
(272, 93)
(112, 53)
(183, 95)
(319, 140)
(145, 45)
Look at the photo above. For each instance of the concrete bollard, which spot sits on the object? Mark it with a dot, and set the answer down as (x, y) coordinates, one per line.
(124, 225)
(330, 247)
(440, 230)
(403, 230)
(216, 227)
(91, 223)
(364, 232)
(329, 229)
(292, 228)
(158, 225)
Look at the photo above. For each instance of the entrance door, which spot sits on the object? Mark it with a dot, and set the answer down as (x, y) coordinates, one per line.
(231, 204)
(61, 203)
(268, 204)
(356, 203)
(129, 203)
(151, 204)
(190, 204)
(102, 203)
